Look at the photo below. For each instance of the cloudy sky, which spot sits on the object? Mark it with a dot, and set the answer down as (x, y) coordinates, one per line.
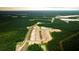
(40, 4)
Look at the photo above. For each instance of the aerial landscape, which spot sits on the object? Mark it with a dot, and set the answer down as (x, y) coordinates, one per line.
(53, 30)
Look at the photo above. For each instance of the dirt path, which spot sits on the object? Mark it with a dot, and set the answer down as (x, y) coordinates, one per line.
(36, 35)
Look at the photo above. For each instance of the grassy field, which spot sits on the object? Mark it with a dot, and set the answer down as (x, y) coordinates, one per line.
(14, 29)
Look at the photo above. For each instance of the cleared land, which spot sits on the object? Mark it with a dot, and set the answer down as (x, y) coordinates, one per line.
(13, 30)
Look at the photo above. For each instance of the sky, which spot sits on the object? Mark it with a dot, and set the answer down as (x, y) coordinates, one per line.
(41, 4)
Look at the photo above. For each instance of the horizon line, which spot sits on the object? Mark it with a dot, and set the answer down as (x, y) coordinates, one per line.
(36, 8)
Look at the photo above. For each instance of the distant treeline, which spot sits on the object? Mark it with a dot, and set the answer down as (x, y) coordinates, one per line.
(41, 13)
